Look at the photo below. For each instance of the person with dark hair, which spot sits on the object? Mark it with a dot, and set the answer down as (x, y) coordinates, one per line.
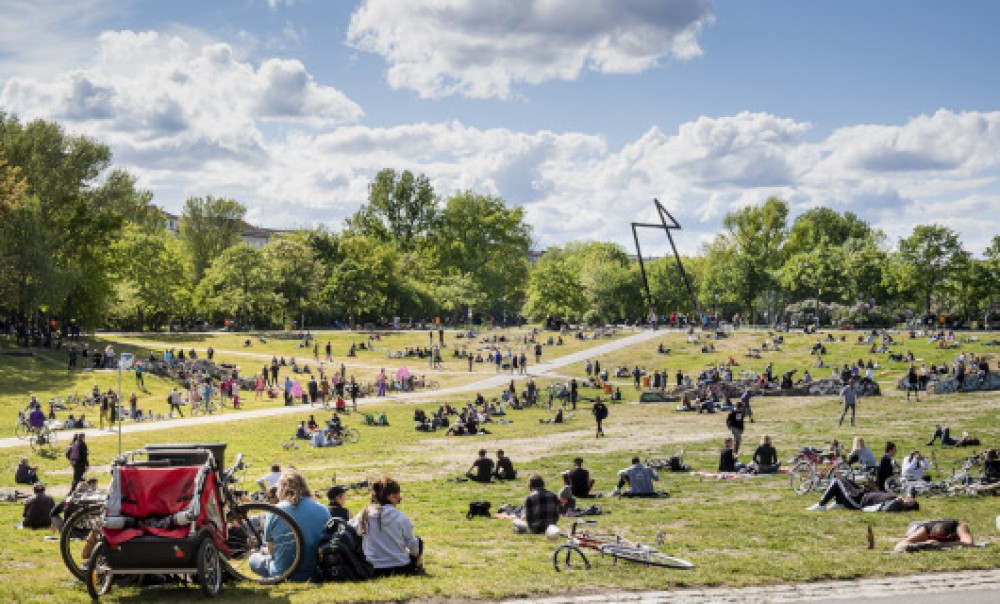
(765, 458)
(846, 494)
(541, 508)
(38, 509)
(639, 478)
(579, 479)
(734, 421)
(481, 470)
(504, 467)
(25, 473)
(337, 495)
(309, 514)
(885, 467)
(936, 534)
(387, 533)
(79, 458)
(947, 440)
(727, 458)
(600, 411)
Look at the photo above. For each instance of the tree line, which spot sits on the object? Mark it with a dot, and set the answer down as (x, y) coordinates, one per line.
(81, 244)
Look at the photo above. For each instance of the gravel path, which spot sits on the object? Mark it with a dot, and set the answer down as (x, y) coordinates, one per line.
(494, 381)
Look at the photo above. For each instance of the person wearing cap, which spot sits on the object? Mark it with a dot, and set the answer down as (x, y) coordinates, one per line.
(38, 509)
(25, 473)
(337, 495)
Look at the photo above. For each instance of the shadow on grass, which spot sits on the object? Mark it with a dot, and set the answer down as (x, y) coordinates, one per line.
(176, 591)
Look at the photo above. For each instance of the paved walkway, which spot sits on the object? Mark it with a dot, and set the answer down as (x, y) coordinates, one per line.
(494, 381)
(968, 587)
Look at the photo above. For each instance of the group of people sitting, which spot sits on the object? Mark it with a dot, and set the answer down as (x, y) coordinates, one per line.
(485, 470)
(387, 536)
(328, 436)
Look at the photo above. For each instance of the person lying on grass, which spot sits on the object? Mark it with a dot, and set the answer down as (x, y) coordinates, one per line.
(936, 534)
(946, 439)
(848, 495)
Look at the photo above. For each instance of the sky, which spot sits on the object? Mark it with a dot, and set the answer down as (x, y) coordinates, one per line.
(581, 111)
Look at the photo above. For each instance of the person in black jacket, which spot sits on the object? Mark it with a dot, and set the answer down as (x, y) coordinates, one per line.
(337, 495)
(504, 467)
(765, 458)
(734, 421)
(885, 469)
(727, 459)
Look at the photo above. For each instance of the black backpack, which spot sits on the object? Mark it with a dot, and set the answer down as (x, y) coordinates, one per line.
(478, 508)
(341, 557)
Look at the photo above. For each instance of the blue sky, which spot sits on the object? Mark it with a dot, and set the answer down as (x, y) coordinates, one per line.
(580, 110)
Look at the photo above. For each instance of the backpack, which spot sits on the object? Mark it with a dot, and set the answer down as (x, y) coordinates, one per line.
(73, 452)
(677, 464)
(341, 557)
(478, 508)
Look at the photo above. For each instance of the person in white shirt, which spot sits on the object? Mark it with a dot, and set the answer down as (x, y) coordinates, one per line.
(387, 533)
(914, 467)
(270, 479)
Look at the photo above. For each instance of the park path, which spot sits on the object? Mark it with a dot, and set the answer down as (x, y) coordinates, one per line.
(494, 381)
(969, 587)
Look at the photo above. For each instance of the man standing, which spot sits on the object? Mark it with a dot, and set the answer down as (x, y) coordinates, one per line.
(849, 396)
(329, 351)
(541, 508)
(600, 412)
(174, 400)
(573, 392)
(72, 356)
(734, 421)
(80, 460)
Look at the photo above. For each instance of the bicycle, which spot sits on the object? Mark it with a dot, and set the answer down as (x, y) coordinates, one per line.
(347, 435)
(43, 440)
(204, 408)
(570, 557)
(22, 429)
(78, 534)
(805, 476)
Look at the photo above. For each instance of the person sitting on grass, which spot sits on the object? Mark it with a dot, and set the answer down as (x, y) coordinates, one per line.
(25, 473)
(558, 419)
(727, 458)
(37, 512)
(848, 495)
(309, 514)
(765, 458)
(387, 533)
(481, 470)
(301, 432)
(639, 478)
(504, 468)
(567, 503)
(861, 454)
(312, 425)
(337, 495)
(541, 508)
(579, 479)
(936, 534)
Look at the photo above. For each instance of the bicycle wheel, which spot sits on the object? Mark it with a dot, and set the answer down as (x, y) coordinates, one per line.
(99, 574)
(209, 569)
(197, 410)
(77, 537)
(643, 555)
(21, 429)
(803, 477)
(569, 558)
(352, 435)
(892, 484)
(51, 440)
(247, 537)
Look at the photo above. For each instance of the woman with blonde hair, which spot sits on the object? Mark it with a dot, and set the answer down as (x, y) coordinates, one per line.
(388, 540)
(861, 454)
(309, 514)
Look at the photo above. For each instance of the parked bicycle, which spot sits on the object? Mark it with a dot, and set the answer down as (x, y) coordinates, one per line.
(814, 469)
(569, 556)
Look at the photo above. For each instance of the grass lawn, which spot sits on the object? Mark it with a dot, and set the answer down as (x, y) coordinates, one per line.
(738, 532)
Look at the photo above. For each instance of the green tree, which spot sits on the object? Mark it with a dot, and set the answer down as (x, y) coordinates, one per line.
(926, 264)
(481, 237)
(401, 208)
(360, 286)
(554, 289)
(209, 225)
(240, 283)
(752, 247)
(299, 276)
(152, 284)
(812, 226)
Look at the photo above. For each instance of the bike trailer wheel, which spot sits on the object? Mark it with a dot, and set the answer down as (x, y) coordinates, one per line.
(209, 568)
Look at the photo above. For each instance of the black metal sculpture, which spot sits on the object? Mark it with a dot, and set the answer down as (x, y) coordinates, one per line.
(665, 216)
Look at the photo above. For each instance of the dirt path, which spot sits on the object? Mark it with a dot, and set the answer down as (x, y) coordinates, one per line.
(488, 383)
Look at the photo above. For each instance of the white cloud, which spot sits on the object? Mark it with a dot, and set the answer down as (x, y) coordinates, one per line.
(146, 91)
(482, 48)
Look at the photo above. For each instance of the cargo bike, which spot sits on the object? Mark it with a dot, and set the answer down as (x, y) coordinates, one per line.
(175, 514)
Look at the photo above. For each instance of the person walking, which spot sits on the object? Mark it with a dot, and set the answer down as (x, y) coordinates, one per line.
(79, 458)
(849, 396)
(600, 411)
(174, 400)
(734, 421)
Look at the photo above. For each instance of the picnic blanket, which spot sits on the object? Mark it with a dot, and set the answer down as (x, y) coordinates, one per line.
(732, 475)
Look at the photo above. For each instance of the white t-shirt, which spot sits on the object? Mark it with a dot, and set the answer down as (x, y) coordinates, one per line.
(271, 478)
